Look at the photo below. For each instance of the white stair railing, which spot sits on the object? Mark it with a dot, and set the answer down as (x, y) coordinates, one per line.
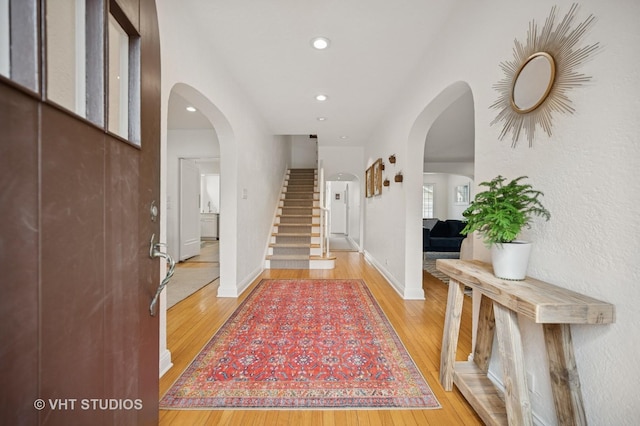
(324, 214)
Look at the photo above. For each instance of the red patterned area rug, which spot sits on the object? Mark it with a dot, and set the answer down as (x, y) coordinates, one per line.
(312, 344)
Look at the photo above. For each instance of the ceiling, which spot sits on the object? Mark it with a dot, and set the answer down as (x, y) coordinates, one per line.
(266, 45)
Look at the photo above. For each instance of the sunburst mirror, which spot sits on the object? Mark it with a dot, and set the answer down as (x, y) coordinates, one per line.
(543, 70)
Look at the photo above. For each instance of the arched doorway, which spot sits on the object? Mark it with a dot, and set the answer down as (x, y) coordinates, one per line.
(218, 138)
(416, 148)
(193, 198)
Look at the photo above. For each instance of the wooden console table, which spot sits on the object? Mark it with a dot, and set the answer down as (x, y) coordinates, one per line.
(501, 302)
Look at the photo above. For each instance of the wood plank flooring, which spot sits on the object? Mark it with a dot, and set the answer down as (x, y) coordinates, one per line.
(419, 323)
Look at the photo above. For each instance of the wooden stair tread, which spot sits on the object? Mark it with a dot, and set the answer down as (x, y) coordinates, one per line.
(288, 257)
(290, 245)
(298, 257)
(299, 192)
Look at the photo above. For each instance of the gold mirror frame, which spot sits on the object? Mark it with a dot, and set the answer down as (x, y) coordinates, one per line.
(559, 44)
(547, 82)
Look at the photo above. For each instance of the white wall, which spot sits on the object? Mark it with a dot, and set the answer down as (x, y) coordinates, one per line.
(252, 159)
(587, 169)
(440, 190)
(210, 194)
(444, 206)
(456, 209)
(210, 185)
(338, 207)
(304, 152)
(354, 211)
(348, 160)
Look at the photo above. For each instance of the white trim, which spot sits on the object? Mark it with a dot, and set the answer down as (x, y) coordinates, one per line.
(165, 362)
(242, 286)
(356, 245)
(400, 288)
(275, 215)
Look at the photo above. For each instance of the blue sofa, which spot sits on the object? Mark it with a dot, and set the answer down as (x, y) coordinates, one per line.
(444, 236)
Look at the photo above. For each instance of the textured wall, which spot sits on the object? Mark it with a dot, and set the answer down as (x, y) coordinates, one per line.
(587, 169)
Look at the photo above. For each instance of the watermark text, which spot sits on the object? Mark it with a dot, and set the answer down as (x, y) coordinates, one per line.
(100, 404)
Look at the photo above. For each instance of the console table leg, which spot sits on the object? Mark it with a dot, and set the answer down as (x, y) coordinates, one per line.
(485, 334)
(512, 356)
(450, 334)
(565, 382)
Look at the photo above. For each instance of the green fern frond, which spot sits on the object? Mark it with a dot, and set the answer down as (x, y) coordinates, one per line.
(503, 210)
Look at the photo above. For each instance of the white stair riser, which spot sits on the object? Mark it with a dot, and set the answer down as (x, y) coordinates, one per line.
(322, 264)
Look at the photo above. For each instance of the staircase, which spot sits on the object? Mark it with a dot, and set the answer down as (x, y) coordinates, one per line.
(295, 242)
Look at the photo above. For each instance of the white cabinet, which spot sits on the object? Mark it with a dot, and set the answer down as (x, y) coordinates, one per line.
(209, 226)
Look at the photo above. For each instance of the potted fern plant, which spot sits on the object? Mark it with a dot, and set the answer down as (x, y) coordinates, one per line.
(499, 214)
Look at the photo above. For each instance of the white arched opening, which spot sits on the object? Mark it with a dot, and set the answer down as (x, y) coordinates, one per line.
(227, 155)
(415, 150)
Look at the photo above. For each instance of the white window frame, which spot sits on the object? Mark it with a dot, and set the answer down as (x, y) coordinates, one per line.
(428, 202)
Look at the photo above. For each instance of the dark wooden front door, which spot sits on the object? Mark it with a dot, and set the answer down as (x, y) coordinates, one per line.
(78, 345)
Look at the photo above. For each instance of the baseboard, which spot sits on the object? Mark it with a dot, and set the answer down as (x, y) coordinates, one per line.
(244, 285)
(356, 245)
(165, 362)
(537, 420)
(398, 287)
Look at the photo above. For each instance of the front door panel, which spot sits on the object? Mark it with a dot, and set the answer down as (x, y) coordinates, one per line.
(78, 343)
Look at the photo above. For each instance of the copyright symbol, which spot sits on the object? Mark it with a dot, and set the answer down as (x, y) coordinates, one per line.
(39, 404)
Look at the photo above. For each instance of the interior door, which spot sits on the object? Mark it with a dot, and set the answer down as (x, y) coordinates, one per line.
(78, 343)
(189, 209)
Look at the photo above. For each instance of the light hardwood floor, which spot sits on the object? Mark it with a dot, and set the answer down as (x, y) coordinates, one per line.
(419, 323)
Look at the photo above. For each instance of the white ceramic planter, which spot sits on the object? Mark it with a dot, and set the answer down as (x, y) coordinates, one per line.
(510, 260)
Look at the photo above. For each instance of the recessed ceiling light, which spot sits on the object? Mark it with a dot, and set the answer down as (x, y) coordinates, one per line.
(320, 43)
(344, 137)
(321, 98)
(191, 109)
(322, 118)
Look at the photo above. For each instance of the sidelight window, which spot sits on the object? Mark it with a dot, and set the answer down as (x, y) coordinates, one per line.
(66, 54)
(118, 79)
(123, 76)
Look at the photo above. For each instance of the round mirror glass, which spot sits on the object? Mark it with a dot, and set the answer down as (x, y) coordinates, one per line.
(533, 82)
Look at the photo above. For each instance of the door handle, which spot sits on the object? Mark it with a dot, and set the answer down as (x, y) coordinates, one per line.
(155, 251)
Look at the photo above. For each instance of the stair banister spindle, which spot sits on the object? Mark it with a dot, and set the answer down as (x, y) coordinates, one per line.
(322, 208)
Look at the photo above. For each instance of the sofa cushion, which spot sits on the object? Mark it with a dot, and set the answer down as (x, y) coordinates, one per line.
(455, 226)
(440, 229)
(446, 244)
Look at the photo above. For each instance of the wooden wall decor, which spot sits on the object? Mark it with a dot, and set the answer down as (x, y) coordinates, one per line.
(377, 177)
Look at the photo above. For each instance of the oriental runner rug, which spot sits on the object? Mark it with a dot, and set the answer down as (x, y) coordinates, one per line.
(308, 344)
